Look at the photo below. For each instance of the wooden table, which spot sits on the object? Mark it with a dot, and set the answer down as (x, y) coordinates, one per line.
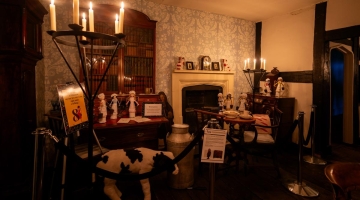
(237, 121)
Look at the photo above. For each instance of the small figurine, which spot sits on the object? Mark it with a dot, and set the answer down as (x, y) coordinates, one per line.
(242, 102)
(220, 101)
(267, 87)
(132, 103)
(280, 87)
(114, 104)
(228, 102)
(180, 64)
(102, 108)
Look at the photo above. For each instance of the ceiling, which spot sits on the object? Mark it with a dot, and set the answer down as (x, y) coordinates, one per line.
(253, 10)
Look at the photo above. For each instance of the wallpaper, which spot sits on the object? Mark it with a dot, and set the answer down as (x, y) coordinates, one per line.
(179, 32)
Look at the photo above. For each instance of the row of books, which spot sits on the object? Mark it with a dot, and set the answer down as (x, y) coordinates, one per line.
(140, 35)
(95, 81)
(112, 83)
(139, 51)
(138, 66)
(137, 83)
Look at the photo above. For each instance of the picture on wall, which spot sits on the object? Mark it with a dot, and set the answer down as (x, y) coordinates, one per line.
(215, 66)
(189, 65)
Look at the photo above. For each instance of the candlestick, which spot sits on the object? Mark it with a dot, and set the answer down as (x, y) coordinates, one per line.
(121, 18)
(52, 16)
(91, 18)
(84, 25)
(116, 24)
(76, 11)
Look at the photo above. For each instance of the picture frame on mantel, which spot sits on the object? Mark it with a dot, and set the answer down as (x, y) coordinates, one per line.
(215, 66)
(189, 65)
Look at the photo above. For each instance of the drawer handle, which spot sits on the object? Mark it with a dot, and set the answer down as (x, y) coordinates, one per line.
(140, 134)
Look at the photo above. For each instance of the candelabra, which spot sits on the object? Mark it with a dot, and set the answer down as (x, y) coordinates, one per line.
(253, 83)
(87, 42)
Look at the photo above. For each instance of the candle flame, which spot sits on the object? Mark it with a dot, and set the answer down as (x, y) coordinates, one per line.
(83, 15)
(122, 4)
(90, 5)
(52, 2)
(117, 17)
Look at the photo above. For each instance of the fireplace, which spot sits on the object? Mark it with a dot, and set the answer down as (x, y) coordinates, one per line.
(207, 83)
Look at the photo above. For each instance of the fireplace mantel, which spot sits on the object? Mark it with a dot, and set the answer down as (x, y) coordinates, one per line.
(185, 78)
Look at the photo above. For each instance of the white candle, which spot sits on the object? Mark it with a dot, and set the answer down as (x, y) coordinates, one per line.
(121, 18)
(245, 65)
(52, 16)
(91, 18)
(264, 63)
(254, 63)
(83, 23)
(261, 62)
(76, 11)
(116, 24)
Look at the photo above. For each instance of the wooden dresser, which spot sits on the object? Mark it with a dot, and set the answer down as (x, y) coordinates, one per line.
(266, 104)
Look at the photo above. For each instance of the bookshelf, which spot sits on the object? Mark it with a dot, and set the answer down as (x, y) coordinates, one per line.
(133, 67)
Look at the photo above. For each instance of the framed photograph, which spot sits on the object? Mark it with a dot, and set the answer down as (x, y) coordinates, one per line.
(189, 65)
(215, 66)
(152, 109)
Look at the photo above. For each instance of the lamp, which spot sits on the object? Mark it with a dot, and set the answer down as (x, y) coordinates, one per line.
(85, 40)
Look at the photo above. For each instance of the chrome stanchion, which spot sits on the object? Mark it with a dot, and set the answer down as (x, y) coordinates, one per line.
(39, 160)
(312, 159)
(299, 187)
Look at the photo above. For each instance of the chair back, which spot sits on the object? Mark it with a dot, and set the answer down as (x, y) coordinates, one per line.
(275, 122)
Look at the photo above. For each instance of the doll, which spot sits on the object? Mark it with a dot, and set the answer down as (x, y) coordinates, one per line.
(220, 101)
(114, 106)
(242, 102)
(279, 84)
(267, 88)
(228, 102)
(132, 103)
(102, 108)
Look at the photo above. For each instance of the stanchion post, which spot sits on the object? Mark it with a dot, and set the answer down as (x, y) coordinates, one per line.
(298, 186)
(312, 159)
(212, 181)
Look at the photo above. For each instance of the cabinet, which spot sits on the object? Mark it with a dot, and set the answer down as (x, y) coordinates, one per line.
(20, 49)
(133, 67)
(266, 104)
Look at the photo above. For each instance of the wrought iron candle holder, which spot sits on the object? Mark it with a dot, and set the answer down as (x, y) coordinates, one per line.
(253, 83)
(116, 41)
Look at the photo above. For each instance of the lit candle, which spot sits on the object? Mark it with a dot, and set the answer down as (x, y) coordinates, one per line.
(264, 63)
(117, 24)
(52, 16)
(83, 23)
(261, 62)
(245, 65)
(91, 18)
(121, 18)
(254, 63)
(76, 11)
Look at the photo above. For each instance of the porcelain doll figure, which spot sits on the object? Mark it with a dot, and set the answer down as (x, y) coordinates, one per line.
(228, 102)
(220, 101)
(102, 108)
(267, 87)
(114, 106)
(280, 87)
(132, 103)
(242, 102)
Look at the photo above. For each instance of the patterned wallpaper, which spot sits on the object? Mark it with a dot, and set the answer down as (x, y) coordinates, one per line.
(180, 32)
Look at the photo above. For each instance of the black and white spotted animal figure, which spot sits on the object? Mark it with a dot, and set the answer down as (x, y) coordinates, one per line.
(138, 161)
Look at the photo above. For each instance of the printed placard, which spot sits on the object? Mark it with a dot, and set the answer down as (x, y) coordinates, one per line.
(213, 150)
(73, 107)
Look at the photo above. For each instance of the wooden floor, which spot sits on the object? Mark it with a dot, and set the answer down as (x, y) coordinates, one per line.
(259, 183)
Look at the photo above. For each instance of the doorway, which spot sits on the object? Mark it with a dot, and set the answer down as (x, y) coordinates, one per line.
(342, 87)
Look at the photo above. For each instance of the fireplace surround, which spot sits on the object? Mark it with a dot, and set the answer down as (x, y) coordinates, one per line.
(185, 78)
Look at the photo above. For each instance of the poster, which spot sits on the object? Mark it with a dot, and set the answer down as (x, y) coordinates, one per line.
(213, 150)
(73, 107)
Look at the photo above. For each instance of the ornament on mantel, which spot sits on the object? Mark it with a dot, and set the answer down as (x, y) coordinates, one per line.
(180, 64)
(224, 65)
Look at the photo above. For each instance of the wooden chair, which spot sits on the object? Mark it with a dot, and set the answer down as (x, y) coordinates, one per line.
(344, 178)
(72, 141)
(262, 144)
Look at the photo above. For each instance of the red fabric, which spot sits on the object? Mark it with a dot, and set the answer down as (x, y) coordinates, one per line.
(262, 119)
